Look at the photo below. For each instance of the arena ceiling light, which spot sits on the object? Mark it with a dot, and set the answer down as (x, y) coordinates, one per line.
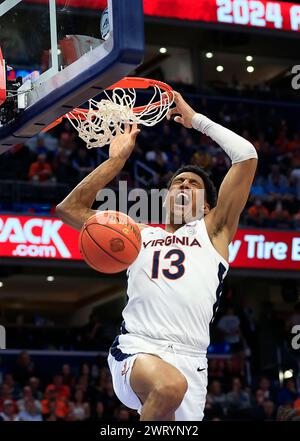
(249, 58)
(220, 68)
(163, 50)
(209, 54)
(1, 284)
(288, 374)
(250, 69)
(50, 279)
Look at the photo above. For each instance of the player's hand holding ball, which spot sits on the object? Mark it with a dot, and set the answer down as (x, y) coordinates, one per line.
(183, 111)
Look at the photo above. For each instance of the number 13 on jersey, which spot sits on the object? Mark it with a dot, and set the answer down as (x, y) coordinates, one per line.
(175, 258)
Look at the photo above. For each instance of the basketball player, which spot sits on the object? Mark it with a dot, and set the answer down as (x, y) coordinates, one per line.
(158, 362)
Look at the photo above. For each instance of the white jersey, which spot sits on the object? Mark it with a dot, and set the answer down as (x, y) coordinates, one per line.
(174, 286)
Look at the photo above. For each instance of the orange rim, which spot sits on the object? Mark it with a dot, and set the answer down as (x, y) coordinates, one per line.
(144, 83)
(125, 83)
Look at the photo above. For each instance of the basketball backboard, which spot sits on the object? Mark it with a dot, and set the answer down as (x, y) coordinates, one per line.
(66, 51)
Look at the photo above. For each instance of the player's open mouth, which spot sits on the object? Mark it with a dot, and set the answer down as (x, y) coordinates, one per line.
(183, 198)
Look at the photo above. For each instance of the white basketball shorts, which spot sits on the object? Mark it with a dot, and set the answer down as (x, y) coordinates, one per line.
(188, 360)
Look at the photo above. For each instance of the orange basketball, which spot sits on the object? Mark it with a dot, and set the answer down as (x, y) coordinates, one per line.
(110, 241)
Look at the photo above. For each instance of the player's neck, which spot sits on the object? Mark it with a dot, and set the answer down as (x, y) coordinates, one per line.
(171, 228)
(171, 225)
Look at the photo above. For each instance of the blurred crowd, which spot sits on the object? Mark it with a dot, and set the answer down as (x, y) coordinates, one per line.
(78, 394)
(85, 393)
(241, 383)
(61, 157)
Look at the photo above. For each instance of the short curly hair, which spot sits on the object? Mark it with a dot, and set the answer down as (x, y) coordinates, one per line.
(210, 189)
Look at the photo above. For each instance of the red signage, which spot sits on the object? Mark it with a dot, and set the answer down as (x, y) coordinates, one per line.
(37, 237)
(50, 238)
(257, 13)
(265, 249)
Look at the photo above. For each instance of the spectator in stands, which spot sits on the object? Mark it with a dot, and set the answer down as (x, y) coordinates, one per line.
(14, 389)
(296, 220)
(27, 395)
(67, 378)
(265, 388)
(269, 411)
(5, 395)
(122, 414)
(235, 365)
(83, 383)
(41, 146)
(24, 368)
(288, 394)
(67, 143)
(202, 159)
(219, 169)
(217, 368)
(294, 143)
(156, 154)
(82, 163)
(259, 398)
(63, 169)
(173, 150)
(295, 175)
(258, 189)
(287, 413)
(98, 392)
(52, 406)
(43, 143)
(9, 413)
(31, 411)
(296, 159)
(258, 215)
(51, 412)
(280, 218)
(98, 414)
(216, 396)
(158, 160)
(92, 332)
(79, 408)
(16, 162)
(41, 170)
(277, 184)
(85, 372)
(264, 408)
(282, 143)
(296, 406)
(109, 399)
(34, 384)
(61, 390)
(238, 398)
(175, 163)
(229, 325)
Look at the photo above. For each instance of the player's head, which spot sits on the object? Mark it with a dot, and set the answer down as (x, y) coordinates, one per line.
(191, 195)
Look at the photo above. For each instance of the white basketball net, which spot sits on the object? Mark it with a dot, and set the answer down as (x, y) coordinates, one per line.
(105, 119)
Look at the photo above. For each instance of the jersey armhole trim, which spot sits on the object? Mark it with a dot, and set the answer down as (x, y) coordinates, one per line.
(217, 254)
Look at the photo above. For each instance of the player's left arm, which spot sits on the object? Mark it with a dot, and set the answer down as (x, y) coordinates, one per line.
(233, 195)
(235, 188)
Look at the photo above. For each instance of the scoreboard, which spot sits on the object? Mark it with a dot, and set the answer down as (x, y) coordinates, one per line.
(262, 14)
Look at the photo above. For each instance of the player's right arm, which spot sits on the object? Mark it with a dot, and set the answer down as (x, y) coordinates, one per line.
(76, 209)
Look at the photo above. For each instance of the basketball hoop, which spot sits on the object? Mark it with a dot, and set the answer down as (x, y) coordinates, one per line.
(105, 119)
